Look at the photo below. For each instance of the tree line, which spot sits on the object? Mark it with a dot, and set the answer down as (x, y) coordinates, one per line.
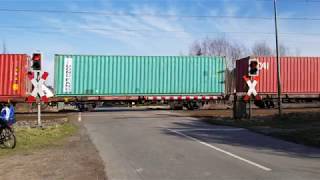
(233, 50)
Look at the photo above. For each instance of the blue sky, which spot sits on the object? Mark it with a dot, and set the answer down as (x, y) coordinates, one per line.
(140, 27)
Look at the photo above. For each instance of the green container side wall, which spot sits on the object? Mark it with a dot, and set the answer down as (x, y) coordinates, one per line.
(141, 75)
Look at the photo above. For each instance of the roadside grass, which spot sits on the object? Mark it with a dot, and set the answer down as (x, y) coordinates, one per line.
(299, 127)
(29, 139)
(308, 136)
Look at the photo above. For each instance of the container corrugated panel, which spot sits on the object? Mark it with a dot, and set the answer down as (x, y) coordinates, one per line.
(89, 75)
(299, 75)
(13, 75)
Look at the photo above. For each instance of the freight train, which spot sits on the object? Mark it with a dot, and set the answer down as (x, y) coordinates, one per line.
(180, 81)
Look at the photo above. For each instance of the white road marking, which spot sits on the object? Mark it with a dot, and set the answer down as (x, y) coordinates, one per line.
(139, 170)
(221, 150)
(212, 129)
(79, 117)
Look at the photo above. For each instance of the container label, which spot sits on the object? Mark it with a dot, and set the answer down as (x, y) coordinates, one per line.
(264, 66)
(67, 78)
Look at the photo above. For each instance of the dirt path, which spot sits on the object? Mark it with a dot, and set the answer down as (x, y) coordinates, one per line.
(76, 158)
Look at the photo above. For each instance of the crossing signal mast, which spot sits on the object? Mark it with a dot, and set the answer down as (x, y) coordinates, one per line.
(40, 92)
(252, 80)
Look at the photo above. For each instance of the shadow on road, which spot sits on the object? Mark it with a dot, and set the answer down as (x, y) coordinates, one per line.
(241, 138)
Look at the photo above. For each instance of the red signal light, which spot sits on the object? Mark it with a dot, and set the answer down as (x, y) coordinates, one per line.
(36, 61)
(36, 57)
(253, 64)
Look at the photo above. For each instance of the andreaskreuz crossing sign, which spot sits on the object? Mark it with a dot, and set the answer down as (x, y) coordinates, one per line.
(252, 83)
(38, 79)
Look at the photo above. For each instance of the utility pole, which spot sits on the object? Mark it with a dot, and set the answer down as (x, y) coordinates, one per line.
(278, 58)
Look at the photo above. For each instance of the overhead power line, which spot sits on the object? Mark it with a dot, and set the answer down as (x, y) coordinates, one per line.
(134, 1)
(55, 29)
(155, 15)
(130, 30)
(130, 14)
(159, 1)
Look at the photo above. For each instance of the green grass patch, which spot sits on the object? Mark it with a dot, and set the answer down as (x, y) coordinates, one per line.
(29, 139)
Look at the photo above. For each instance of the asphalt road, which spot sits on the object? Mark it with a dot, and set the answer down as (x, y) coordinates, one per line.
(159, 145)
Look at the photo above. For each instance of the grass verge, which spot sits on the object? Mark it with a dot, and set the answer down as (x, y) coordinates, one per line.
(29, 139)
(302, 128)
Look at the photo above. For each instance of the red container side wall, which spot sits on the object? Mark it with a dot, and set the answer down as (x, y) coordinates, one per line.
(13, 70)
(299, 75)
(268, 75)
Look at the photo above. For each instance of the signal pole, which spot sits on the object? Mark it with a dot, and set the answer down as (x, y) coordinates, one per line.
(278, 58)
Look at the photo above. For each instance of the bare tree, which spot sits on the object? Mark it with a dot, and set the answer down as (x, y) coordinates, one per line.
(221, 47)
(237, 51)
(195, 49)
(216, 47)
(284, 50)
(261, 49)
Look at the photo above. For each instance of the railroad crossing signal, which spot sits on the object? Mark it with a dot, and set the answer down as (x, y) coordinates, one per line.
(252, 83)
(253, 67)
(37, 79)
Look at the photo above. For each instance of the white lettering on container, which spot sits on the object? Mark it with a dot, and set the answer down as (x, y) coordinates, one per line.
(67, 78)
(263, 66)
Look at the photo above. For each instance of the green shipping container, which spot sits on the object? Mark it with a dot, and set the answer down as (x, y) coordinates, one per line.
(90, 75)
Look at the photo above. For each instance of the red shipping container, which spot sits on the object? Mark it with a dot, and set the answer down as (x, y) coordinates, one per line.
(299, 75)
(13, 76)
